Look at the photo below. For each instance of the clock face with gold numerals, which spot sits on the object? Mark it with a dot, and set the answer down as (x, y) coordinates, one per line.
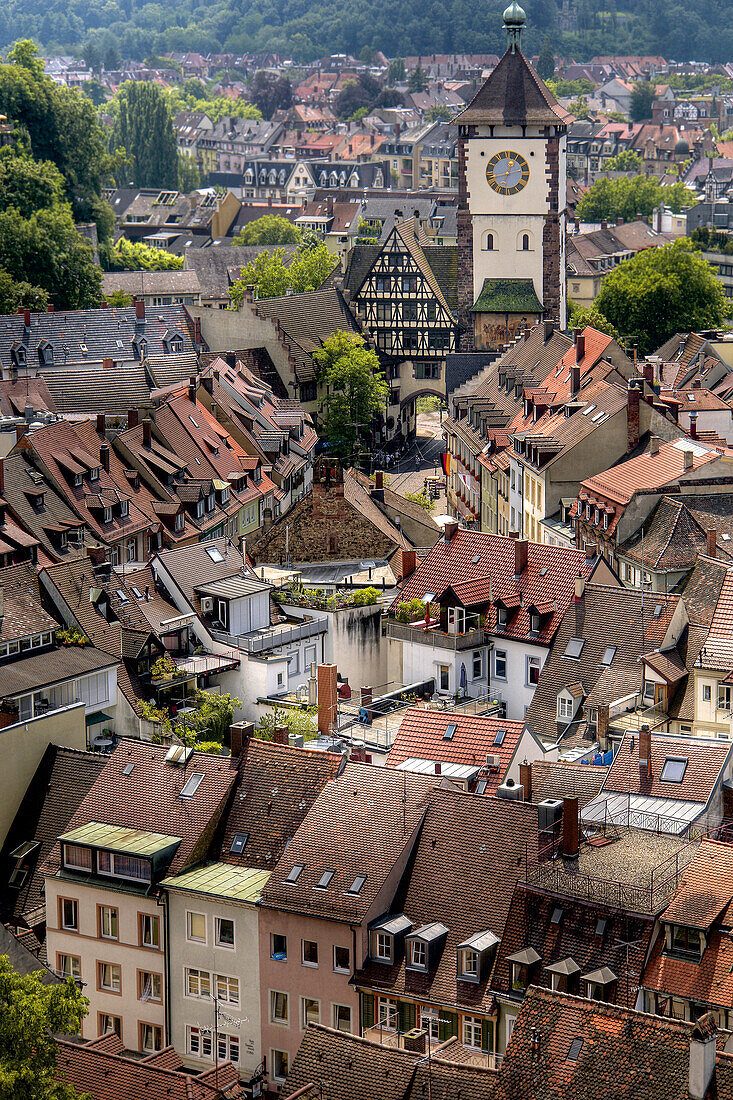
(507, 172)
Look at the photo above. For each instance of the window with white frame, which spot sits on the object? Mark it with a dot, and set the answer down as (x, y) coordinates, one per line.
(533, 671)
(227, 989)
(109, 977)
(472, 1032)
(724, 696)
(341, 1018)
(279, 1007)
(386, 1012)
(199, 1042)
(69, 909)
(228, 1048)
(77, 858)
(310, 1011)
(418, 954)
(342, 960)
(93, 689)
(310, 953)
(564, 707)
(280, 1062)
(150, 986)
(119, 865)
(197, 983)
(224, 932)
(69, 966)
(430, 1022)
(478, 664)
(383, 947)
(149, 930)
(469, 962)
(500, 664)
(108, 922)
(195, 927)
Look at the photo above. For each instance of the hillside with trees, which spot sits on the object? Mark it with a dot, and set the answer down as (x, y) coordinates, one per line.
(305, 30)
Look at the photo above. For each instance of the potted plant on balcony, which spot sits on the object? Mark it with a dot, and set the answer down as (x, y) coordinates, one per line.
(163, 669)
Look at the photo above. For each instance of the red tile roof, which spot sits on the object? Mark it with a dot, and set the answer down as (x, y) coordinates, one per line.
(645, 471)
(706, 887)
(705, 763)
(421, 737)
(547, 579)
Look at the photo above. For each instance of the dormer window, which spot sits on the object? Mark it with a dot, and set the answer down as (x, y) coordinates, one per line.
(605, 521)
(45, 354)
(180, 521)
(424, 947)
(124, 507)
(78, 481)
(94, 473)
(683, 942)
(523, 966)
(19, 355)
(601, 985)
(564, 976)
(469, 964)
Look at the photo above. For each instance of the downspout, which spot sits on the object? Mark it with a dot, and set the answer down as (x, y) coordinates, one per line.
(163, 901)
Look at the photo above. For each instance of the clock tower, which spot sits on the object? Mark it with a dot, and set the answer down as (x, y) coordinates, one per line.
(511, 201)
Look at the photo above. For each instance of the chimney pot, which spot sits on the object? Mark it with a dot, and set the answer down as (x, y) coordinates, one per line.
(579, 587)
(654, 445)
(379, 480)
(240, 734)
(645, 750)
(693, 425)
(192, 388)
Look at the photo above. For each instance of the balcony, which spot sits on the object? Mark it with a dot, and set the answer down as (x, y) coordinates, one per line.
(435, 637)
(395, 1040)
(260, 642)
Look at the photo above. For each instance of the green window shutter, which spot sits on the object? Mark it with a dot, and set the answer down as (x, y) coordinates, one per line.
(367, 1010)
(448, 1025)
(486, 1030)
(407, 1015)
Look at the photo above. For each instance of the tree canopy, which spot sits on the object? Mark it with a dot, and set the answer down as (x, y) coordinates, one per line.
(136, 256)
(271, 93)
(642, 97)
(32, 1013)
(659, 292)
(144, 128)
(269, 229)
(272, 275)
(579, 317)
(629, 197)
(546, 60)
(355, 390)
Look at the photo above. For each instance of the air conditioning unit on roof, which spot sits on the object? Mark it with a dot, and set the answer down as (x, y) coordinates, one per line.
(207, 605)
(493, 760)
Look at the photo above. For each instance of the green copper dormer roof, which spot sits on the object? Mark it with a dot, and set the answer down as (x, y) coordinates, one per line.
(507, 296)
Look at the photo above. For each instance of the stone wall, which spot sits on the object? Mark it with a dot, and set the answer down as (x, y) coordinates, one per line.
(465, 247)
(551, 246)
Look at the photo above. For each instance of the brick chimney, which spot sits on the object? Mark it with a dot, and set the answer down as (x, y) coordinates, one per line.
(570, 833)
(139, 309)
(101, 423)
(240, 734)
(281, 735)
(645, 751)
(591, 551)
(548, 330)
(449, 530)
(632, 416)
(108, 364)
(378, 479)
(192, 388)
(525, 780)
(521, 553)
(575, 380)
(366, 696)
(327, 699)
(104, 456)
(703, 1050)
(132, 418)
(712, 544)
(147, 431)
(693, 425)
(579, 346)
(409, 563)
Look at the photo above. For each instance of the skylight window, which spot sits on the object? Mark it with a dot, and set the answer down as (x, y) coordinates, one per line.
(482, 784)
(673, 769)
(325, 879)
(657, 611)
(121, 596)
(357, 884)
(476, 559)
(238, 843)
(589, 409)
(574, 648)
(601, 926)
(128, 768)
(499, 737)
(543, 571)
(597, 417)
(575, 1048)
(194, 422)
(449, 731)
(556, 915)
(295, 872)
(136, 592)
(214, 553)
(192, 784)
(608, 655)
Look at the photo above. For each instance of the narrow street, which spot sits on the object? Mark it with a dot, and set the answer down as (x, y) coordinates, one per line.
(422, 459)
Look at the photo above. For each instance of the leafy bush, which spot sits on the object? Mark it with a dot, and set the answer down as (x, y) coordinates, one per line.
(409, 611)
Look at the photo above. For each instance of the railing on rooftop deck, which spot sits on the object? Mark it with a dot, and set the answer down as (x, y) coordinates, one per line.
(438, 639)
(389, 1037)
(273, 636)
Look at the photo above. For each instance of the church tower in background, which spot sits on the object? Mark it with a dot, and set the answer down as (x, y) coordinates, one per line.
(511, 201)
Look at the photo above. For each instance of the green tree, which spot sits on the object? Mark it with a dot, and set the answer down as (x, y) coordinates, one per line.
(625, 161)
(189, 177)
(145, 129)
(581, 316)
(269, 229)
(272, 276)
(422, 499)
(299, 721)
(642, 97)
(629, 197)
(136, 256)
(659, 292)
(355, 390)
(418, 80)
(212, 717)
(579, 107)
(439, 114)
(546, 60)
(119, 298)
(32, 1013)
(396, 71)
(354, 94)
(16, 295)
(46, 251)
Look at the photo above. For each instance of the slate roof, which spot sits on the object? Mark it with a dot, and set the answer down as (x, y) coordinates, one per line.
(507, 296)
(559, 929)
(513, 93)
(449, 563)
(623, 1054)
(604, 616)
(469, 855)
(706, 761)
(356, 1067)
(60, 783)
(151, 282)
(362, 823)
(672, 540)
(421, 736)
(148, 797)
(103, 1069)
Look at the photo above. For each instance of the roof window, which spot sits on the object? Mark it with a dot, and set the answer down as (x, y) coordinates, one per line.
(673, 769)
(128, 768)
(574, 648)
(238, 843)
(575, 1048)
(608, 655)
(325, 879)
(295, 872)
(357, 884)
(215, 553)
(499, 737)
(450, 731)
(178, 754)
(556, 915)
(192, 784)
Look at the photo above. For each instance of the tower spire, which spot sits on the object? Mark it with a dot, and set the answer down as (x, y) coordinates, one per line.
(514, 20)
